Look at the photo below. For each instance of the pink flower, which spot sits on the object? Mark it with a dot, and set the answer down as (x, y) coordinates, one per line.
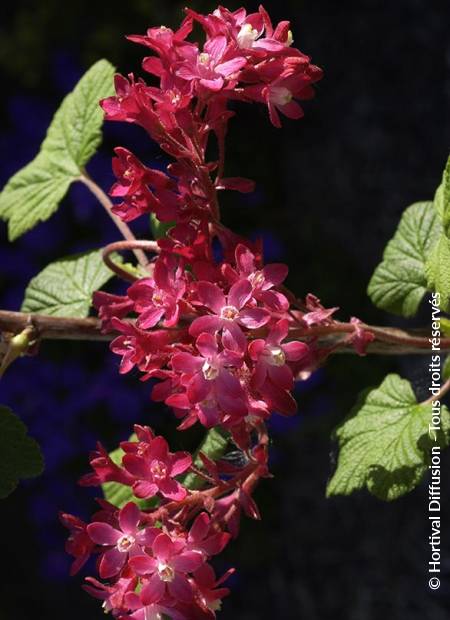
(166, 570)
(147, 350)
(160, 296)
(229, 313)
(262, 280)
(144, 435)
(154, 470)
(317, 314)
(164, 41)
(105, 470)
(283, 81)
(123, 543)
(79, 544)
(113, 596)
(144, 190)
(218, 62)
(110, 306)
(272, 376)
(207, 376)
(209, 595)
(131, 104)
(202, 538)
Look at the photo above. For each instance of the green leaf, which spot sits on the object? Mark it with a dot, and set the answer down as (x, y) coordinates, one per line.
(120, 494)
(399, 282)
(384, 443)
(65, 287)
(20, 456)
(33, 194)
(438, 271)
(214, 446)
(446, 369)
(159, 229)
(445, 326)
(442, 199)
(75, 132)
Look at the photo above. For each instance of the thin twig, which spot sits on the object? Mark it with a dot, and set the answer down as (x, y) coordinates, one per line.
(393, 341)
(121, 246)
(107, 204)
(445, 388)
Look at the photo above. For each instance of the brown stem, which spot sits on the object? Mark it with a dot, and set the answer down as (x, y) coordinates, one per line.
(445, 388)
(121, 246)
(388, 340)
(107, 204)
(196, 499)
(52, 327)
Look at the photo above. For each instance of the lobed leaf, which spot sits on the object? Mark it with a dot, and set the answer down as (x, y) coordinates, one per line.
(442, 199)
(400, 282)
(75, 132)
(65, 287)
(33, 194)
(438, 271)
(384, 443)
(20, 455)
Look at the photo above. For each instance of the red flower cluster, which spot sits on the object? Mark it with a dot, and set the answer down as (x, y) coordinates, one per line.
(244, 58)
(153, 561)
(218, 335)
(221, 358)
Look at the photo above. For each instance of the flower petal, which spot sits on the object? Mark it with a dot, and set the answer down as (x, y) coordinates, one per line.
(143, 564)
(278, 332)
(216, 47)
(233, 338)
(187, 363)
(207, 345)
(281, 376)
(180, 588)
(180, 462)
(207, 323)
(214, 85)
(274, 274)
(163, 547)
(103, 533)
(149, 317)
(153, 591)
(188, 561)
(198, 388)
(159, 450)
(211, 296)
(252, 318)
(129, 518)
(295, 350)
(146, 536)
(200, 527)
(135, 465)
(172, 489)
(240, 293)
(145, 489)
(231, 66)
(111, 563)
(278, 399)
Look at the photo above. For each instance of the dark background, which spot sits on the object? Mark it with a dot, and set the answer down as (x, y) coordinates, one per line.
(331, 188)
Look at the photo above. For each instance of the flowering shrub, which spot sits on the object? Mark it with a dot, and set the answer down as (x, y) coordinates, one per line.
(216, 329)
